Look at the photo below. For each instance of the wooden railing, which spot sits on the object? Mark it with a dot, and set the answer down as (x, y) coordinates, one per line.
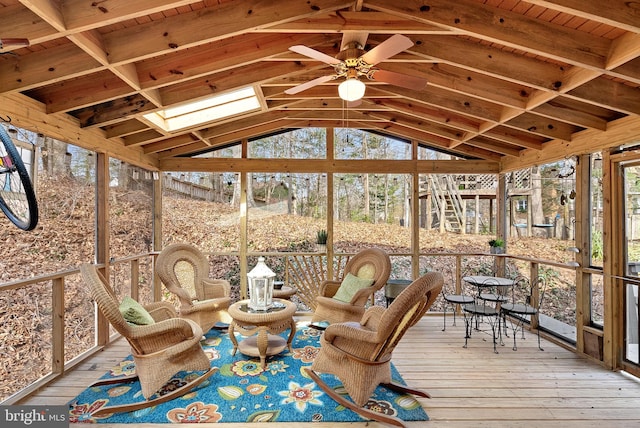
(304, 271)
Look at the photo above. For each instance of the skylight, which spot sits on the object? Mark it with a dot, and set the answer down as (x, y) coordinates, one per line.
(206, 110)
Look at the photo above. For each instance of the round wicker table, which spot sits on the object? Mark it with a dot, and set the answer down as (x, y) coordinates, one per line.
(261, 328)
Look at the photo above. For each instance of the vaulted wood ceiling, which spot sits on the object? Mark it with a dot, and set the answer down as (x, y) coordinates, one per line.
(504, 76)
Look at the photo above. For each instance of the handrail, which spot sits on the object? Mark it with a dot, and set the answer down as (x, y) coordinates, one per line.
(57, 283)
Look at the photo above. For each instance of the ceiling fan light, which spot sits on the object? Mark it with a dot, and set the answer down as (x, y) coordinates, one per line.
(351, 89)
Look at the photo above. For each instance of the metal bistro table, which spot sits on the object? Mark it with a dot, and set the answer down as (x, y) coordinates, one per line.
(490, 289)
(262, 328)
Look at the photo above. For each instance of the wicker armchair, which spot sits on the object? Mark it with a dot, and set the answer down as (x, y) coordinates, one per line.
(371, 263)
(359, 354)
(160, 350)
(184, 270)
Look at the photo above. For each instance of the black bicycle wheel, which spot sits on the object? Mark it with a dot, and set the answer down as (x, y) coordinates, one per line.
(17, 198)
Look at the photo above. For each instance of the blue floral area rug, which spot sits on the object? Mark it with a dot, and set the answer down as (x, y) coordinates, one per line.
(242, 391)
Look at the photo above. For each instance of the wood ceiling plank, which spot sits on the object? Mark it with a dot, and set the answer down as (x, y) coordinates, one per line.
(81, 15)
(125, 128)
(248, 121)
(419, 124)
(494, 146)
(499, 63)
(574, 112)
(113, 111)
(239, 77)
(169, 143)
(140, 138)
(207, 25)
(370, 22)
(18, 21)
(618, 13)
(430, 113)
(43, 68)
(468, 83)
(82, 92)
(609, 94)
(454, 101)
(505, 27)
(629, 71)
(48, 11)
(217, 57)
(516, 137)
(543, 126)
(623, 49)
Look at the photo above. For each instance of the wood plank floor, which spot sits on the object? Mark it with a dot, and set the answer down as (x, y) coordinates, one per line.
(470, 387)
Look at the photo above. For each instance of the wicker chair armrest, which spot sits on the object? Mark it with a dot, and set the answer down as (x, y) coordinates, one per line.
(161, 311)
(183, 295)
(372, 316)
(209, 305)
(179, 327)
(361, 296)
(214, 288)
(350, 331)
(329, 288)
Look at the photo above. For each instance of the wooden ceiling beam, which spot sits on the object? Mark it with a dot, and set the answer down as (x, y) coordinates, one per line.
(371, 22)
(16, 19)
(217, 57)
(618, 13)
(507, 28)
(247, 121)
(249, 75)
(206, 25)
(543, 126)
(51, 66)
(609, 94)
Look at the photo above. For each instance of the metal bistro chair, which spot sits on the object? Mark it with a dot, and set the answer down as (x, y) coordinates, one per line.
(499, 295)
(455, 299)
(486, 309)
(529, 311)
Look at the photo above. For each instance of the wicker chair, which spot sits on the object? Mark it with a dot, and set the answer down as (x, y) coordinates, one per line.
(359, 354)
(371, 263)
(160, 350)
(184, 270)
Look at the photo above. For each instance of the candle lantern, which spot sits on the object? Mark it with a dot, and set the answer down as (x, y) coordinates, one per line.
(260, 286)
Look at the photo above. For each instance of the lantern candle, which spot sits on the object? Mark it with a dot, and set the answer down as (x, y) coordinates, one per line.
(260, 286)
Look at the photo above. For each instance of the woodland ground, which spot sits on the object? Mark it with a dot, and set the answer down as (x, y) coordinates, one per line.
(64, 238)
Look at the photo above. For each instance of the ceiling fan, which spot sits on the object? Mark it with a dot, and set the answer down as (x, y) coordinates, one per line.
(353, 62)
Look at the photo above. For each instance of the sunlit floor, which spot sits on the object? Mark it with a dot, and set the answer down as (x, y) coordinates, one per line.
(472, 387)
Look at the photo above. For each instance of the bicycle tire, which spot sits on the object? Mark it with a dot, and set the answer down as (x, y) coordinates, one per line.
(17, 198)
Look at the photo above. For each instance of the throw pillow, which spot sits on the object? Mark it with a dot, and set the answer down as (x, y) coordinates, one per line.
(134, 313)
(350, 286)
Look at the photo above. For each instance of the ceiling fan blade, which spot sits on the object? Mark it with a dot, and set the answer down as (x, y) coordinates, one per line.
(312, 53)
(310, 84)
(349, 37)
(390, 47)
(398, 79)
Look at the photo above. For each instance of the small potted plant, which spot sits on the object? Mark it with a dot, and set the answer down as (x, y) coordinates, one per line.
(321, 240)
(497, 246)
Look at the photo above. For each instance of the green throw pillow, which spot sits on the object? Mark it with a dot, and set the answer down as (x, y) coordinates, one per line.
(350, 285)
(134, 313)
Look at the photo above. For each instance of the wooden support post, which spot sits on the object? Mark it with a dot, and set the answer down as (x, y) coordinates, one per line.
(330, 142)
(157, 232)
(244, 270)
(57, 329)
(102, 236)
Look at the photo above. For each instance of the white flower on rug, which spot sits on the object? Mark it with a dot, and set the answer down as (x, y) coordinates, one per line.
(301, 396)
